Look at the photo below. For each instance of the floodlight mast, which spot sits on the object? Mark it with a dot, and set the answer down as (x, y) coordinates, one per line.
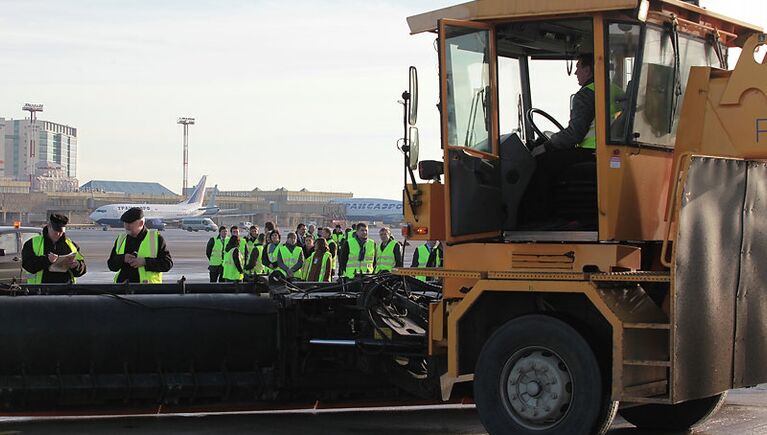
(32, 109)
(186, 122)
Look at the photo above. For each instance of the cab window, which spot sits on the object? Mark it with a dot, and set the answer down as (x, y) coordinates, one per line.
(662, 81)
(468, 88)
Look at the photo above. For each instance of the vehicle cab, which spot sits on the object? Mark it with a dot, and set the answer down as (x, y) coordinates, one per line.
(505, 75)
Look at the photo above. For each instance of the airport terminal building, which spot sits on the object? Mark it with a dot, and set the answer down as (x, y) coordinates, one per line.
(286, 207)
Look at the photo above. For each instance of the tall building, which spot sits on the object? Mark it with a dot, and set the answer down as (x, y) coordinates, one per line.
(44, 151)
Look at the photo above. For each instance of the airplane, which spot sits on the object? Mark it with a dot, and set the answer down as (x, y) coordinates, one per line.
(213, 210)
(155, 215)
(372, 210)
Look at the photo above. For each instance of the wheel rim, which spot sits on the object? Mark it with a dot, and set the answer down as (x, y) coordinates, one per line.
(537, 388)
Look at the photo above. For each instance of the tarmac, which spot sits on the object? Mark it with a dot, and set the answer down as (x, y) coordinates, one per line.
(745, 412)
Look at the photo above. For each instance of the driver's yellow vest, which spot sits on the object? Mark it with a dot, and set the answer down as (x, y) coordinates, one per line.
(590, 140)
(147, 249)
(38, 245)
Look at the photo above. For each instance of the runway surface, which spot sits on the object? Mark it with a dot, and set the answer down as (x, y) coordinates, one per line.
(744, 413)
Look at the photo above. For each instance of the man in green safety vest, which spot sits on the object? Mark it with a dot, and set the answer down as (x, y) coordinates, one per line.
(357, 256)
(52, 257)
(338, 235)
(254, 242)
(574, 144)
(235, 253)
(290, 258)
(139, 255)
(215, 253)
(427, 255)
(388, 252)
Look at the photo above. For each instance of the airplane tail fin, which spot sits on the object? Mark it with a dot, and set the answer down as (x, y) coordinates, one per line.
(198, 194)
(212, 200)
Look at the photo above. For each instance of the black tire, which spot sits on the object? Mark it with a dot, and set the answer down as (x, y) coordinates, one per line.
(534, 358)
(679, 417)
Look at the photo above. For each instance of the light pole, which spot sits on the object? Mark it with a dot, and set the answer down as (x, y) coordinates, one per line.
(32, 109)
(186, 122)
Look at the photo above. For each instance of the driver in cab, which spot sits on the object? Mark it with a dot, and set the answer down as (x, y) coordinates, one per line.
(574, 144)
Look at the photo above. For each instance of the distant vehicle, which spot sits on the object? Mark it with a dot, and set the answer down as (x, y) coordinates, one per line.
(198, 224)
(155, 215)
(387, 211)
(11, 241)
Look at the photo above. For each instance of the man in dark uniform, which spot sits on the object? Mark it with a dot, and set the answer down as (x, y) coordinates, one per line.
(139, 255)
(41, 252)
(575, 144)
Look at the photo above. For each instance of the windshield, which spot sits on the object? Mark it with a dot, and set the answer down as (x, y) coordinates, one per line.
(468, 88)
(662, 83)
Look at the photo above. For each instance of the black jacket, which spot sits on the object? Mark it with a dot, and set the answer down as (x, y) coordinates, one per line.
(581, 117)
(116, 263)
(33, 264)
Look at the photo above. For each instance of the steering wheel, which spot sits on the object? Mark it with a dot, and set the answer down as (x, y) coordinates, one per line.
(540, 133)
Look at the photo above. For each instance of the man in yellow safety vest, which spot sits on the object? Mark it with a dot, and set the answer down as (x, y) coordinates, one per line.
(357, 256)
(215, 253)
(52, 257)
(139, 255)
(574, 144)
(427, 255)
(388, 252)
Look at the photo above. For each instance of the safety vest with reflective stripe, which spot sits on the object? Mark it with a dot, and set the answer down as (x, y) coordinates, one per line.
(231, 273)
(356, 266)
(38, 245)
(272, 257)
(337, 238)
(327, 262)
(147, 249)
(217, 253)
(290, 258)
(385, 261)
(258, 267)
(423, 259)
(590, 140)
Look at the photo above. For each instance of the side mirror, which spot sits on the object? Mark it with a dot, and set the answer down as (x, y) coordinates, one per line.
(412, 116)
(413, 155)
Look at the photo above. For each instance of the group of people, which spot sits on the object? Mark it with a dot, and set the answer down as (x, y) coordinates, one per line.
(309, 253)
(138, 255)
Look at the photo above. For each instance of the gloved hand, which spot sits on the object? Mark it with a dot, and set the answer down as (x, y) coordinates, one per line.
(537, 151)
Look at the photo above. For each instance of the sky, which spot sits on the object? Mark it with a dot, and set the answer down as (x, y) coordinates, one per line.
(298, 94)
